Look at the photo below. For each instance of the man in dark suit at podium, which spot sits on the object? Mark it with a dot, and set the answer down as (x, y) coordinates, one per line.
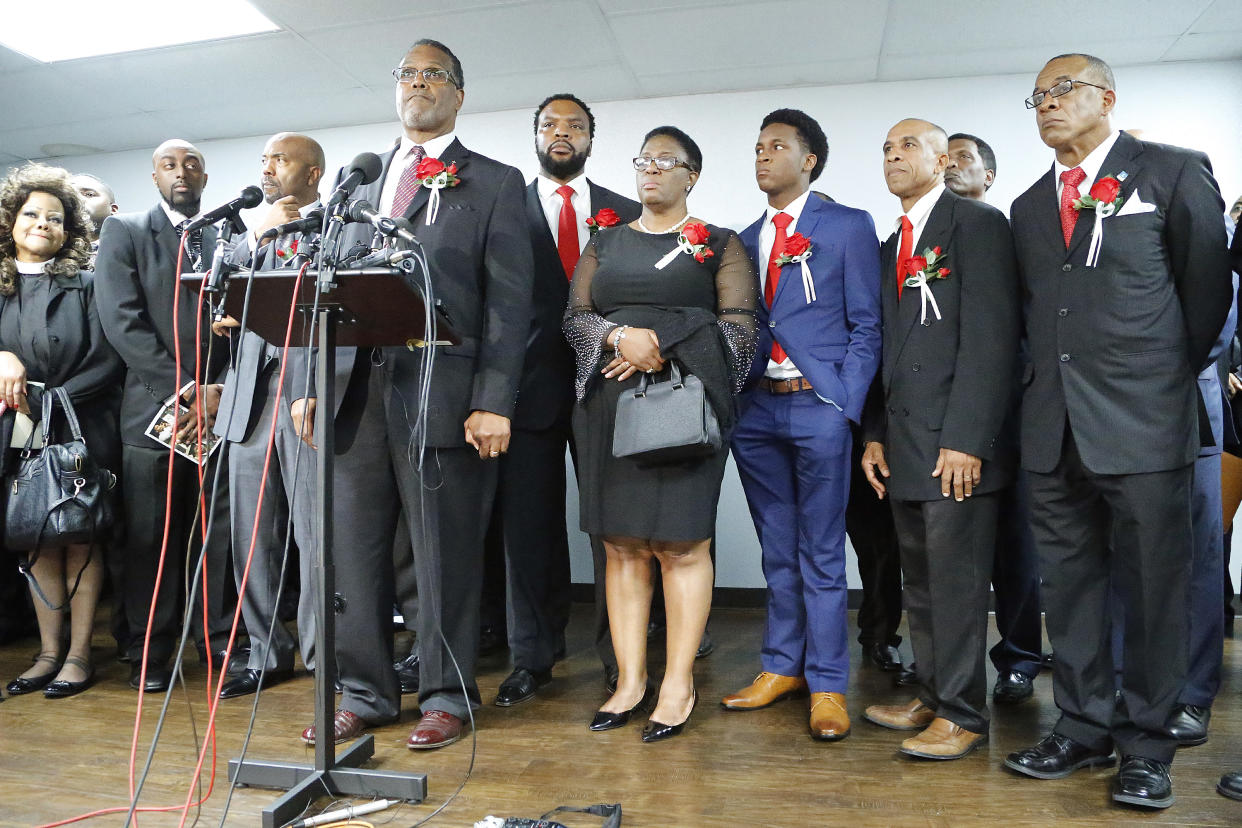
(1127, 285)
(530, 500)
(291, 167)
(135, 279)
(477, 246)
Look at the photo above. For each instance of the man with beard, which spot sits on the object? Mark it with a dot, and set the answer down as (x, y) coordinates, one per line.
(530, 500)
(292, 166)
(1015, 575)
(440, 471)
(136, 277)
(100, 202)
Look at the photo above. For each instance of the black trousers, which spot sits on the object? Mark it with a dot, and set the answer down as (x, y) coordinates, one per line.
(946, 558)
(869, 524)
(145, 472)
(1072, 512)
(1015, 585)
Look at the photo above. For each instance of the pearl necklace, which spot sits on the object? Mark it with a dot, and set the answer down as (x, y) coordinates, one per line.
(675, 227)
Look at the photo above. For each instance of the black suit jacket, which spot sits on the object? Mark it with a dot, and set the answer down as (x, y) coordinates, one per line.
(478, 251)
(546, 388)
(948, 383)
(135, 276)
(1116, 348)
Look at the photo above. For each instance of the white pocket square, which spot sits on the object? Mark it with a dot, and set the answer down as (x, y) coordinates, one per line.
(1135, 205)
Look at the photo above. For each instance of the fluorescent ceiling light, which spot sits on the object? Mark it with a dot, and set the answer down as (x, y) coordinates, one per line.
(70, 29)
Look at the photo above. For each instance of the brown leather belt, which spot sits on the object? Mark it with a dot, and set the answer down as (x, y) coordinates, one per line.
(785, 386)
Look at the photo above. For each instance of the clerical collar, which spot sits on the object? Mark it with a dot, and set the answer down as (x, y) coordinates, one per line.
(31, 268)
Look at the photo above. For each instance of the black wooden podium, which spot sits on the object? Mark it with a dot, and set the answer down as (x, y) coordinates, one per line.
(366, 307)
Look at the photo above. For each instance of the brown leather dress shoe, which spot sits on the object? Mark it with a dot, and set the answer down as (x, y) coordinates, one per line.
(345, 726)
(829, 720)
(436, 729)
(942, 740)
(911, 716)
(767, 688)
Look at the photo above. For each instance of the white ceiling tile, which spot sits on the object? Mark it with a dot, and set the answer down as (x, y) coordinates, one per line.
(1221, 16)
(1026, 59)
(616, 8)
(135, 131)
(303, 16)
(527, 89)
(1206, 46)
(46, 95)
(789, 76)
(266, 117)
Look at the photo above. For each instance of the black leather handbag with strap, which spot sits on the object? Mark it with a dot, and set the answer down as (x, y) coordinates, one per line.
(57, 495)
(665, 422)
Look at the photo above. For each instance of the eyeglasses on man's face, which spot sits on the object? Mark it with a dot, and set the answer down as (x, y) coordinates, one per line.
(1056, 91)
(408, 74)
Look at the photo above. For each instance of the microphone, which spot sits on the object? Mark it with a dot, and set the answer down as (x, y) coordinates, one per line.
(360, 210)
(250, 197)
(311, 222)
(365, 168)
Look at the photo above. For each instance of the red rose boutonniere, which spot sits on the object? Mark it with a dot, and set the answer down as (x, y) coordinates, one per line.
(1103, 199)
(289, 252)
(435, 176)
(693, 240)
(920, 270)
(796, 251)
(607, 217)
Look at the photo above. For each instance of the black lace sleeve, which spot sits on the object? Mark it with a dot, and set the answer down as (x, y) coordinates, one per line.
(584, 328)
(737, 293)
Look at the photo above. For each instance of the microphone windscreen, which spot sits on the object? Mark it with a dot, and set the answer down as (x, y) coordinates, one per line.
(369, 164)
(252, 196)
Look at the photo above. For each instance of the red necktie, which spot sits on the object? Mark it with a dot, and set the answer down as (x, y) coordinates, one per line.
(409, 183)
(903, 252)
(1070, 179)
(782, 221)
(567, 232)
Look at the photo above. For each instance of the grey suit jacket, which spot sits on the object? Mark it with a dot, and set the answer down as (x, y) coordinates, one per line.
(948, 383)
(1115, 348)
(134, 286)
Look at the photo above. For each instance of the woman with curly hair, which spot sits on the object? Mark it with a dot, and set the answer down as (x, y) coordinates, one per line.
(50, 334)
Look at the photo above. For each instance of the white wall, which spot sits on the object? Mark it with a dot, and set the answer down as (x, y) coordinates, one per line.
(1195, 104)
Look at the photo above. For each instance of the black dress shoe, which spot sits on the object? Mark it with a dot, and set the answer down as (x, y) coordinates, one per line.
(407, 673)
(1013, 687)
(1230, 785)
(1056, 757)
(61, 689)
(611, 721)
(521, 685)
(658, 731)
(611, 676)
(246, 683)
(905, 676)
(884, 656)
(1189, 724)
(706, 645)
(158, 677)
(1143, 782)
(19, 686)
(241, 655)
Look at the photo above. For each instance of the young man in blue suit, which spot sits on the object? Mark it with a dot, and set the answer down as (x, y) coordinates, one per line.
(819, 347)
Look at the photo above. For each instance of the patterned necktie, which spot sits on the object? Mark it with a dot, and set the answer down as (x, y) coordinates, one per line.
(903, 252)
(781, 221)
(1070, 179)
(193, 245)
(567, 232)
(409, 183)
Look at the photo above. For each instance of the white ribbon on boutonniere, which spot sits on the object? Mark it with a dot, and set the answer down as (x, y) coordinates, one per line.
(920, 271)
(1104, 202)
(693, 240)
(796, 251)
(435, 176)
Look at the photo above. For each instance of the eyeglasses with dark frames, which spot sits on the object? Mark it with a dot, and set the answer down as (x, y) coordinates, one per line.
(664, 163)
(1057, 90)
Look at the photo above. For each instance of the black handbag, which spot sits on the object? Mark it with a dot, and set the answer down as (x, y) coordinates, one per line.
(57, 495)
(665, 422)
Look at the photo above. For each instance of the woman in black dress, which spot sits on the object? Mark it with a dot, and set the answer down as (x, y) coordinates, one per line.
(50, 333)
(664, 287)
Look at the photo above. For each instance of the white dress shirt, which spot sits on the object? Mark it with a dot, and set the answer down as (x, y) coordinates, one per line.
(918, 213)
(177, 217)
(767, 237)
(1090, 165)
(433, 149)
(552, 202)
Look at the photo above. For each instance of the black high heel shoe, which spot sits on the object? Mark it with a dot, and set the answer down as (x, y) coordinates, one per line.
(611, 721)
(60, 689)
(19, 685)
(658, 731)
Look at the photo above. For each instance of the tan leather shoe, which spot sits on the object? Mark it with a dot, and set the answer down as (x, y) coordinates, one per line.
(942, 740)
(912, 716)
(829, 720)
(767, 688)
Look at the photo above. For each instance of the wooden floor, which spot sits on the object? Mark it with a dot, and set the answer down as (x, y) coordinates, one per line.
(66, 757)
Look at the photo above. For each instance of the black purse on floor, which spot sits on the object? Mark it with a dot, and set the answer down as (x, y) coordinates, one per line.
(665, 422)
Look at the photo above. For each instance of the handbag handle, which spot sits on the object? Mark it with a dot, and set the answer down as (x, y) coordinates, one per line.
(66, 406)
(674, 378)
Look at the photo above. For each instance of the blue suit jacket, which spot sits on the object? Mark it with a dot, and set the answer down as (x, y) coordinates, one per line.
(834, 340)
